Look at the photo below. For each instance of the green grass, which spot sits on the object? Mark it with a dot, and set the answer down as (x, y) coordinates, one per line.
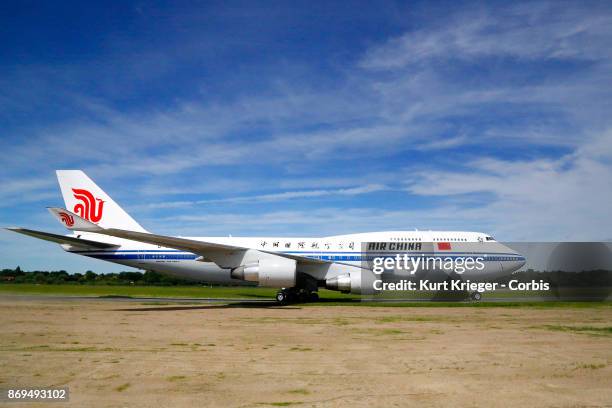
(391, 331)
(176, 378)
(395, 319)
(301, 391)
(592, 330)
(591, 366)
(533, 305)
(242, 292)
(139, 291)
(122, 387)
(329, 298)
(48, 348)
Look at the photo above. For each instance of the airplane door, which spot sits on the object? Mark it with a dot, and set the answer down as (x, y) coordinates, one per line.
(141, 257)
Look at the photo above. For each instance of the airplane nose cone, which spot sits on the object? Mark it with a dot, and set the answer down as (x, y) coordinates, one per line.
(515, 265)
(518, 262)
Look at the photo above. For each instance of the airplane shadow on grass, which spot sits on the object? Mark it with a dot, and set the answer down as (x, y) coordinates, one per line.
(258, 304)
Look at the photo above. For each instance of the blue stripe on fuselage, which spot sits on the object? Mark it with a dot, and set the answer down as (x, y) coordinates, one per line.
(353, 257)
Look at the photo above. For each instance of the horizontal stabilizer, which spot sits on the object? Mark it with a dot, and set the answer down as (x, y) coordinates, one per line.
(72, 221)
(61, 239)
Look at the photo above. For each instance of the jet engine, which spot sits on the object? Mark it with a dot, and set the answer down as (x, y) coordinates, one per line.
(275, 272)
(346, 283)
(357, 281)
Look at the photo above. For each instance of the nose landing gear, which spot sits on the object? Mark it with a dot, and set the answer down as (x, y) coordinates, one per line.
(476, 296)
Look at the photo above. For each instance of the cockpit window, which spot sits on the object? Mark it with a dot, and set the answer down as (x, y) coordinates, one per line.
(489, 239)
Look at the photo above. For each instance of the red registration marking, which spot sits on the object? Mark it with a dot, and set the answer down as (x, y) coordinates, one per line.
(444, 246)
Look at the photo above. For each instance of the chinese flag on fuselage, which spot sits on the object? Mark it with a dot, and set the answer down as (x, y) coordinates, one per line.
(444, 246)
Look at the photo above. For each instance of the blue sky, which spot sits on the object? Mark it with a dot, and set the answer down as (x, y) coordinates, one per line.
(288, 118)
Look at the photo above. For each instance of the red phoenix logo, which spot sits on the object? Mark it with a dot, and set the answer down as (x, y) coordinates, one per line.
(67, 219)
(90, 207)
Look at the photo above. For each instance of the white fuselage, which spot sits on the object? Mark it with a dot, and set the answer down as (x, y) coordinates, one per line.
(338, 252)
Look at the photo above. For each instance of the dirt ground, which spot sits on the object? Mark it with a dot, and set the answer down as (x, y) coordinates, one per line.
(112, 353)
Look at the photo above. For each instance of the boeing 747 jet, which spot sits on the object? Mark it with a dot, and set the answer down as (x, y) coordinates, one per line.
(101, 229)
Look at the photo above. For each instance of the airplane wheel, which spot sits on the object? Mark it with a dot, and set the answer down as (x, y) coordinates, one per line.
(281, 297)
(302, 296)
(476, 296)
(314, 297)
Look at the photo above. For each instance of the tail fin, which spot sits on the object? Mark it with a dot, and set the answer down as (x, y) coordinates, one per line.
(86, 199)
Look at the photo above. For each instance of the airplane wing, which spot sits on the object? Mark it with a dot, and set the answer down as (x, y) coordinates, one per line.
(61, 239)
(298, 258)
(210, 250)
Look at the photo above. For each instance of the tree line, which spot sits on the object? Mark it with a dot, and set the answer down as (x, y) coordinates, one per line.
(585, 278)
(8, 276)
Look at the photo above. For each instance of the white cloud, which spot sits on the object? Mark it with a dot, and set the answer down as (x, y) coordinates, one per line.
(22, 190)
(316, 222)
(555, 199)
(541, 199)
(282, 196)
(534, 31)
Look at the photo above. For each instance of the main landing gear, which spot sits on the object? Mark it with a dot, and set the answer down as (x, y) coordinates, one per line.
(476, 296)
(296, 295)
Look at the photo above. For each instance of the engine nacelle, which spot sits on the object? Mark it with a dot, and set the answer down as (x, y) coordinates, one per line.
(346, 283)
(276, 272)
(358, 281)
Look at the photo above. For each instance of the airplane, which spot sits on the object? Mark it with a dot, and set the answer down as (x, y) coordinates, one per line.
(298, 267)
